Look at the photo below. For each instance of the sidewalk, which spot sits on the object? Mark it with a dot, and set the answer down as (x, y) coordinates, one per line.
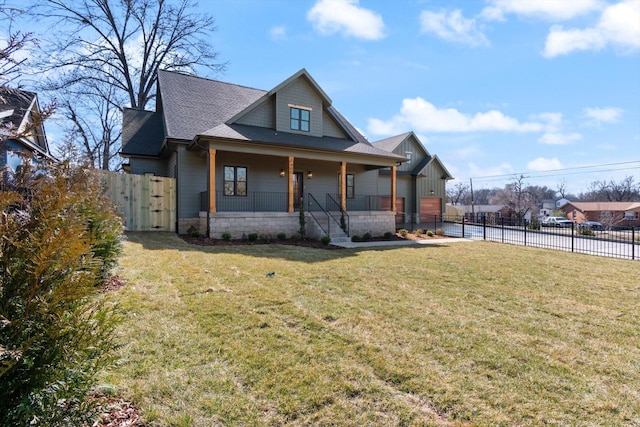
(352, 245)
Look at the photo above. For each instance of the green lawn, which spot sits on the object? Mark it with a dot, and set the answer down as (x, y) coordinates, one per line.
(460, 334)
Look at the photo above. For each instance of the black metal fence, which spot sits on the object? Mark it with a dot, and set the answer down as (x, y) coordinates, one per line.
(610, 243)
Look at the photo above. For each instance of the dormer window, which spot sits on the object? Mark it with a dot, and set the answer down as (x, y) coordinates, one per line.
(300, 118)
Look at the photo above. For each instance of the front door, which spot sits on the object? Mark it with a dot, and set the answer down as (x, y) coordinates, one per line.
(297, 189)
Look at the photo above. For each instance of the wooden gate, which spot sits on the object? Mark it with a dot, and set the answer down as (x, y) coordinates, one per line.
(147, 202)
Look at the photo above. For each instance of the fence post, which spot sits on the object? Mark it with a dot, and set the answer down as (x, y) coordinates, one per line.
(484, 228)
(633, 243)
(525, 231)
(502, 229)
(463, 221)
(572, 235)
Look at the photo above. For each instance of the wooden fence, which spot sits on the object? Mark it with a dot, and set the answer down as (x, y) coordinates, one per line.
(148, 203)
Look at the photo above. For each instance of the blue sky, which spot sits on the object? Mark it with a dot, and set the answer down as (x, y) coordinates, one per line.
(495, 87)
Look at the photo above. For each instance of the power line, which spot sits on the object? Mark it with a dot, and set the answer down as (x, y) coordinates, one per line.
(541, 174)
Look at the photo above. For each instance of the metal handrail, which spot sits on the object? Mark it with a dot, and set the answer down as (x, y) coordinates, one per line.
(310, 200)
(344, 225)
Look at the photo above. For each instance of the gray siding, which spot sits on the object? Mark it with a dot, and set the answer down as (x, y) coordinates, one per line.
(145, 166)
(263, 116)
(413, 146)
(192, 169)
(301, 93)
(331, 128)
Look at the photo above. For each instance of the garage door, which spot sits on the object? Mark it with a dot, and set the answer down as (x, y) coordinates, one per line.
(429, 207)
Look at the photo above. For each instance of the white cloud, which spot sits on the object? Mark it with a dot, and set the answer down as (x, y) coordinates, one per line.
(619, 27)
(597, 116)
(556, 138)
(278, 32)
(453, 27)
(541, 164)
(346, 17)
(547, 9)
(420, 115)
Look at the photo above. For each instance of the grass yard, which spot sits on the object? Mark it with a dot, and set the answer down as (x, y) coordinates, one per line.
(464, 334)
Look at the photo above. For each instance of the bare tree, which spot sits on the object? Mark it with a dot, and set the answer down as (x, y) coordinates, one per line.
(626, 190)
(10, 72)
(15, 42)
(457, 193)
(120, 44)
(517, 197)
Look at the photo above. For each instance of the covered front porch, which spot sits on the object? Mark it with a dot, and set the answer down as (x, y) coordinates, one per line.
(264, 193)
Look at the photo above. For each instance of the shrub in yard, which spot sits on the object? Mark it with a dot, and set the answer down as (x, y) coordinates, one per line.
(586, 232)
(388, 235)
(253, 237)
(281, 236)
(356, 238)
(366, 237)
(60, 238)
(325, 240)
(226, 237)
(403, 232)
(439, 232)
(193, 232)
(429, 233)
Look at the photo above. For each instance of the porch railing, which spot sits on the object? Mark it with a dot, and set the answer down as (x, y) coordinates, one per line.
(254, 201)
(271, 201)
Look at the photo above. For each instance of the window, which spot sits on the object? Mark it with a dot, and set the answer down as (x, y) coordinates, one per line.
(300, 119)
(351, 188)
(408, 155)
(630, 215)
(235, 181)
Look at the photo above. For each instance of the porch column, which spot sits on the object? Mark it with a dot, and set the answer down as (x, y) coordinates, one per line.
(290, 185)
(212, 180)
(393, 188)
(343, 186)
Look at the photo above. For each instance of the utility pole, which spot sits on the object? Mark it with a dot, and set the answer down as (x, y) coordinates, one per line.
(473, 210)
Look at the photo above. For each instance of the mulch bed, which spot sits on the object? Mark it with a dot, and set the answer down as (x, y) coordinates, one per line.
(308, 243)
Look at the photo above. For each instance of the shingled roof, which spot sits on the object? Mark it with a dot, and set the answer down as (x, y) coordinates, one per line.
(190, 107)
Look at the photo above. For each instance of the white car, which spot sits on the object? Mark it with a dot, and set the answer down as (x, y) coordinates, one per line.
(556, 221)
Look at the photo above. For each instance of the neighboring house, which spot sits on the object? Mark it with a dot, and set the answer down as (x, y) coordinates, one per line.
(491, 213)
(618, 214)
(246, 160)
(21, 129)
(420, 181)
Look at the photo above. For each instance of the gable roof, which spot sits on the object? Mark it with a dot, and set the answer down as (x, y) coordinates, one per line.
(18, 109)
(192, 105)
(143, 131)
(391, 143)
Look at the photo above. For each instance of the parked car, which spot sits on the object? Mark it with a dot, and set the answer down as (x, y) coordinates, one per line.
(556, 221)
(591, 225)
